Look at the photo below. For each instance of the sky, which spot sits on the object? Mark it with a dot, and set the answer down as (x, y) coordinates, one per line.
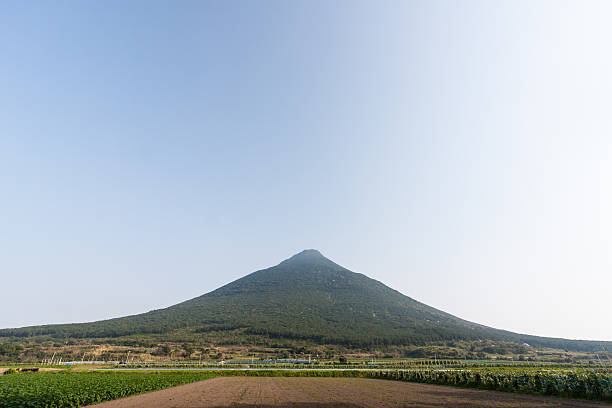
(457, 151)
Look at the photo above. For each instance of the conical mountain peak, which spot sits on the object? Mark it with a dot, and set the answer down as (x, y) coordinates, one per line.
(308, 254)
(306, 297)
(309, 258)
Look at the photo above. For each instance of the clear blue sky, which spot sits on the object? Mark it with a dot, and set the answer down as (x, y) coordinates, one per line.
(459, 151)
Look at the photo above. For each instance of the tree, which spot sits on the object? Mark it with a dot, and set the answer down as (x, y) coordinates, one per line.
(10, 349)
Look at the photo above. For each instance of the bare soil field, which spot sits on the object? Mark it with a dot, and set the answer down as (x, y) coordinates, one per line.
(268, 392)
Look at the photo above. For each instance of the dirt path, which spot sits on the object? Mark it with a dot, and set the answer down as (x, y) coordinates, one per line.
(267, 392)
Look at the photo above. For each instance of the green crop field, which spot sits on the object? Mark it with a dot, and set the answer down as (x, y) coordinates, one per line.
(563, 383)
(78, 388)
(56, 390)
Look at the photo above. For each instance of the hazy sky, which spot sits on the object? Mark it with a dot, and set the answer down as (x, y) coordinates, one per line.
(459, 152)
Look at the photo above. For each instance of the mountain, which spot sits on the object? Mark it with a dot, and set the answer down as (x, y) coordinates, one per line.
(305, 297)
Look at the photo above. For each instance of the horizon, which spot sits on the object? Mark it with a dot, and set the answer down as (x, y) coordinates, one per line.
(459, 153)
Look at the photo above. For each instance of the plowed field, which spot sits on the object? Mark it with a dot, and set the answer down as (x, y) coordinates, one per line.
(267, 392)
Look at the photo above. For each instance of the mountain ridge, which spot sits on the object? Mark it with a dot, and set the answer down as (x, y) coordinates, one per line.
(307, 297)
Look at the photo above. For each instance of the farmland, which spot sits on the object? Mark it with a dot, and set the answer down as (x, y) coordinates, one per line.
(65, 389)
(563, 383)
(78, 387)
(268, 392)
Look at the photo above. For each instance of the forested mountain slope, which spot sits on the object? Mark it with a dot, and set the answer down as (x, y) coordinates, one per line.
(305, 297)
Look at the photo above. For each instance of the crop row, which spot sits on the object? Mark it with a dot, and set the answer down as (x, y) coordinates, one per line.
(588, 385)
(58, 390)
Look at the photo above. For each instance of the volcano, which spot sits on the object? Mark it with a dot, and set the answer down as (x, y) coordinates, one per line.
(306, 297)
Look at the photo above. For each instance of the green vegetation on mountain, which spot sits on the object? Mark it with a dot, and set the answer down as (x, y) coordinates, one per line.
(306, 297)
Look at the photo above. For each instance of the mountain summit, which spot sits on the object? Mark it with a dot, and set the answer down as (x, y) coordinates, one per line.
(306, 297)
(308, 256)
